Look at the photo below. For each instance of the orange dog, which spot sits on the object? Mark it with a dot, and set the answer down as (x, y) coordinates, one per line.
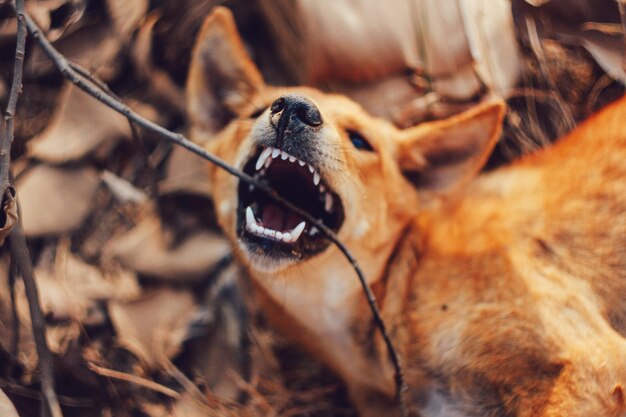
(506, 297)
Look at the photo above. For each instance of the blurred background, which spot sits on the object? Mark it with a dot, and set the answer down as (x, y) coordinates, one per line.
(148, 313)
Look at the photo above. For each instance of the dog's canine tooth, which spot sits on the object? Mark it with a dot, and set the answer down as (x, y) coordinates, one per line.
(328, 202)
(275, 153)
(313, 231)
(297, 231)
(262, 158)
(316, 178)
(301, 162)
(250, 220)
(287, 237)
(311, 169)
(268, 162)
(284, 155)
(292, 158)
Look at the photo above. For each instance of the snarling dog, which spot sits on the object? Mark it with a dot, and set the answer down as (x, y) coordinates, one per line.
(504, 293)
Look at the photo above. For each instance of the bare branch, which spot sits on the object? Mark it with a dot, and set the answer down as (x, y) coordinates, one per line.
(21, 256)
(16, 89)
(92, 88)
(19, 250)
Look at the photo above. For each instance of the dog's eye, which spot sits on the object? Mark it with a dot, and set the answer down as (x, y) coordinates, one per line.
(359, 141)
(257, 112)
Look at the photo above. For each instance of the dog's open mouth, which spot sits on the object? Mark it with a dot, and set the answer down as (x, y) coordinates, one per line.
(268, 228)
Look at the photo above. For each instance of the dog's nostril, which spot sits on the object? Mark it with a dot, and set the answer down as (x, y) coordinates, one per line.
(295, 108)
(309, 115)
(278, 105)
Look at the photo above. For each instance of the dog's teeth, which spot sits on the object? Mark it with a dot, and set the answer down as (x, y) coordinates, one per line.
(287, 237)
(328, 203)
(316, 178)
(297, 231)
(301, 162)
(311, 169)
(279, 236)
(275, 153)
(268, 162)
(313, 231)
(263, 157)
(292, 158)
(284, 155)
(250, 220)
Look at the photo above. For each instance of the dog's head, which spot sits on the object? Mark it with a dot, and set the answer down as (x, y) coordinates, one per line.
(320, 151)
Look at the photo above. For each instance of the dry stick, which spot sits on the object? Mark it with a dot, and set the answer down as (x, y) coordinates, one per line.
(19, 252)
(17, 241)
(91, 88)
(134, 379)
(16, 89)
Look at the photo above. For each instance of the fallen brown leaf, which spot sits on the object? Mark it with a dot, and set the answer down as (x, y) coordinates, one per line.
(154, 326)
(186, 172)
(146, 250)
(78, 126)
(6, 406)
(56, 200)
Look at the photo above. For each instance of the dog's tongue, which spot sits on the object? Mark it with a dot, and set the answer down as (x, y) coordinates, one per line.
(277, 218)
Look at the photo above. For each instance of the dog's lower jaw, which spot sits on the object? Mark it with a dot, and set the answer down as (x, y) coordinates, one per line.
(263, 264)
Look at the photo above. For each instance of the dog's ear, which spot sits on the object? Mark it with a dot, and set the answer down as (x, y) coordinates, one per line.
(222, 78)
(443, 154)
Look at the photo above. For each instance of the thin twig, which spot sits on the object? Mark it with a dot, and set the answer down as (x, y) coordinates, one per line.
(134, 379)
(17, 241)
(91, 88)
(19, 252)
(16, 89)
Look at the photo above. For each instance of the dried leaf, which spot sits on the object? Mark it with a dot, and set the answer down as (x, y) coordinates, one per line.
(608, 51)
(126, 15)
(93, 47)
(74, 287)
(161, 84)
(66, 14)
(6, 406)
(79, 125)
(56, 200)
(187, 406)
(8, 217)
(186, 172)
(145, 249)
(123, 190)
(449, 41)
(154, 327)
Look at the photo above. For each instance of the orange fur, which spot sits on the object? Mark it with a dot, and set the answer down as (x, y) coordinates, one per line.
(505, 294)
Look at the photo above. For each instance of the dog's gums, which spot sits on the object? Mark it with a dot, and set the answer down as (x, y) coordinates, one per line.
(270, 230)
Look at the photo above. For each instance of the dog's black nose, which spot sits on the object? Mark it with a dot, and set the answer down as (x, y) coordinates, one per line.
(295, 112)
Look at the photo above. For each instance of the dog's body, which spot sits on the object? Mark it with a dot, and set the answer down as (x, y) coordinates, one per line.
(507, 298)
